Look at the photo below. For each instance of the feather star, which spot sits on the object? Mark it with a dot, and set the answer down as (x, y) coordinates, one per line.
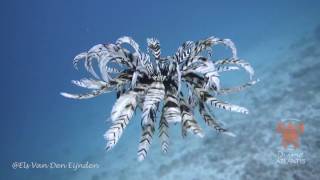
(175, 85)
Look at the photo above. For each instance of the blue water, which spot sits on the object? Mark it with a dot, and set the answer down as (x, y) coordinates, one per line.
(40, 38)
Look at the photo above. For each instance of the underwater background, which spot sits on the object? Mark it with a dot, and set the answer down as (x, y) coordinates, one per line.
(39, 39)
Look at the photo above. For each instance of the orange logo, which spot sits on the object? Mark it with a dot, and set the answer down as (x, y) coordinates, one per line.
(290, 132)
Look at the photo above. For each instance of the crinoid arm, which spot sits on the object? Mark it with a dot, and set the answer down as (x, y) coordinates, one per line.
(188, 122)
(83, 96)
(153, 97)
(238, 88)
(164, 134)
(211, 121)
(239, 62)
(121, 114)
(206, 97)
(166, 89)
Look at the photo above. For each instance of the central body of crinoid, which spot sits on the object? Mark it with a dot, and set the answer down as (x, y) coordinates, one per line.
(176, 86)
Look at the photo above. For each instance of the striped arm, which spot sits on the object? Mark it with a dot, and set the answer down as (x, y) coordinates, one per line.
(163, 134)
(92, 94)
(188, 123)
(145, 141)
(226, 68)
(246, 66)
(209, 119)
(238, 88)
(206, 97)
(171, 108)
(122, 112)
(212, 41)
(153, 96)
(154, 47)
